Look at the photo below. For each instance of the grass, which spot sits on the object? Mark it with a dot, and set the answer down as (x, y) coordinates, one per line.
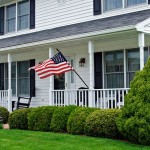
(30, 140)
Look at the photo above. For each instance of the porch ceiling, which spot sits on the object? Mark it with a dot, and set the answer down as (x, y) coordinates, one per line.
(2, 2)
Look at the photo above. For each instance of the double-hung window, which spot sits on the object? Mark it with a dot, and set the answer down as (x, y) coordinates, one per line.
(11, 18)
(135, 2)
(23, 15)
(22, 81)
(133, 63)
(114, 69)
(112, 4)
(17, 16)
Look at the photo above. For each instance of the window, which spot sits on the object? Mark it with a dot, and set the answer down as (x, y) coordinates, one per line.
(23, 15)
(112, 4)
(23, 78)
(22, 81)
(133, 64)
(11, 18)
(17, 16)
(146, 54)
(134, 2)
(114, 68)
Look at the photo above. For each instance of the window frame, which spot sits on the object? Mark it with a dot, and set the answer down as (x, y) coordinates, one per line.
(16, 17)
(16, 78)
(134, 5)
(113, 72)
(6, 19)
(114, 9)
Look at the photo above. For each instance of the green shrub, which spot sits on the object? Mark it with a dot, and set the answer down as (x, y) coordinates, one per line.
(18, 119)
(1, 126)
(102, 123)
(39, 118)
(60, 118)
(4, 113)
(134, 121)
(76, 120)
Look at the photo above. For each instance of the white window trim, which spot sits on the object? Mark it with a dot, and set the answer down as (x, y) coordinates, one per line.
(5, 18)
(136, 5)
(124, 6)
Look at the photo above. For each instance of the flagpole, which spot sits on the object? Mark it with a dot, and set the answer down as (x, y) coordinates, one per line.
(77, 74)
(81, 78)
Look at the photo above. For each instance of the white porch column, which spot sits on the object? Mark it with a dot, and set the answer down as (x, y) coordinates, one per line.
(51, 87)
(91, 71)
(141, 42)
(9, 84)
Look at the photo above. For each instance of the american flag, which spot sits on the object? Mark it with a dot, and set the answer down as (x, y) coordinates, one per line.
(55, 65)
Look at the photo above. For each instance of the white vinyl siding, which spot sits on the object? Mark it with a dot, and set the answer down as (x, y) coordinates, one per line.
(50, 14)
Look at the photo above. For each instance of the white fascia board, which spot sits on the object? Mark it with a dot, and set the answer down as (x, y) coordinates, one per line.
(71, 38)
(141, 26)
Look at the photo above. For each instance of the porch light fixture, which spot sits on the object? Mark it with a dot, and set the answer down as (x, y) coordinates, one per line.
(81, 62)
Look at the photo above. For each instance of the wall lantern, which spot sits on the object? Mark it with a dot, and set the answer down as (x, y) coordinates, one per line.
(81, 62)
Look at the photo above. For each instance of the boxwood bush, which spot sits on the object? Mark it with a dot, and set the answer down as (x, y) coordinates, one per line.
(60, 118)
(102, 123)
(76, 120)
(4, 113)
(134, 121)
(18, 119)
(39, 118)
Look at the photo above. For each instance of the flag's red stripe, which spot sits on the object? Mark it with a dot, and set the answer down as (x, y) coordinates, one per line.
(45, 76)
(54, 71)
(52, 66)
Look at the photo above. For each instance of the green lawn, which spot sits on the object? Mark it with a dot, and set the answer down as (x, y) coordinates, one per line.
(30, 140)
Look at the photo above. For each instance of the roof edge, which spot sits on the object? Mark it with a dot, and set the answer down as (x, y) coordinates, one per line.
(70, 38)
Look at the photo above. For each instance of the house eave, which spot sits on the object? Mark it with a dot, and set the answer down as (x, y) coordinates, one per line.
(83, 36)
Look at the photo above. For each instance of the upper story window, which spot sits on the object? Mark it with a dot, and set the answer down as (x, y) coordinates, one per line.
(112, 4)
(134, 2)
(10, 18)
(23, 15)
(17, 16)
(100, 6)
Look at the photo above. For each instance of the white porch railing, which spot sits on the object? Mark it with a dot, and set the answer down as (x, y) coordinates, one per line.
(99, 98)
(4, 98)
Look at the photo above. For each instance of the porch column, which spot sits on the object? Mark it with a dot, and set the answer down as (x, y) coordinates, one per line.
(51, 87)
(91, 71)
(141, 42)
(9, 84)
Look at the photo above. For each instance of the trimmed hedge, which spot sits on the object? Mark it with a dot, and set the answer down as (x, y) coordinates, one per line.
(134, 122)
(60, 118)
(102, 123)
(39, 118)
(4, 113)
(76, 120)
(18, 119)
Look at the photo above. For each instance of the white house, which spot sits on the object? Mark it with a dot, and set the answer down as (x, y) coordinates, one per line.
(106, 41)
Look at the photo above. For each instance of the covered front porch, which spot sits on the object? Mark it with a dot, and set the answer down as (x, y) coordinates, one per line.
(111, 60)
